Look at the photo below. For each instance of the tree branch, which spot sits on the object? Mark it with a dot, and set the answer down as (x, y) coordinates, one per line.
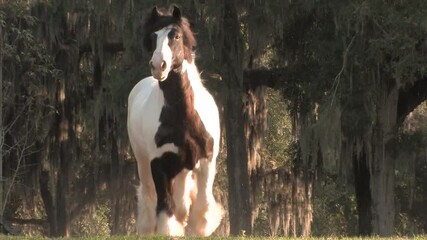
(28, 221)
(7, 228)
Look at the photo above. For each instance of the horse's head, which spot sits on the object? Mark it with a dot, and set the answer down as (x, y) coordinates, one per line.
(168, 37)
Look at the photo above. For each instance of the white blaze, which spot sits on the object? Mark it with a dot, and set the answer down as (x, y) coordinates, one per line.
(162, 54)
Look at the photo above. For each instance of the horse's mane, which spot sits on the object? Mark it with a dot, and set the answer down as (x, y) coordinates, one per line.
(160, 18)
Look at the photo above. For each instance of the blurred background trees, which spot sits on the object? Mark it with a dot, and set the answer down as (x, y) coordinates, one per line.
(323, 103)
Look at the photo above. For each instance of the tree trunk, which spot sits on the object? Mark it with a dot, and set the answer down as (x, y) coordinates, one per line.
(382, 169)
(382, 190)
(237, 169)
(237, 162)
(363, 196)
(56, 202)
(115, 185)
(255, 128)
(64, 139)
(62, 191)
(1, 122)
(47, 201)
(376, 208)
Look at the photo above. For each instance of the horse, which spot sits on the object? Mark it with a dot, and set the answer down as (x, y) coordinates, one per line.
(174, 132)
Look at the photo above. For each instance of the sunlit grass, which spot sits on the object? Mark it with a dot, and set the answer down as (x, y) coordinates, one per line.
(418, 237)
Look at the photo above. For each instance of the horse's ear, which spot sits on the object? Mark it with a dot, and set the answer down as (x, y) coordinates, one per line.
(176, 13)
(154, 13)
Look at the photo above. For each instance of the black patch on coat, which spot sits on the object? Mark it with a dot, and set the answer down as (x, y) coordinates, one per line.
(180, 123)
(164, 169)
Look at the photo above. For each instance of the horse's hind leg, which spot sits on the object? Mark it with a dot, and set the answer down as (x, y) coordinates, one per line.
(205, 213)
(182, 190)
(146, 218)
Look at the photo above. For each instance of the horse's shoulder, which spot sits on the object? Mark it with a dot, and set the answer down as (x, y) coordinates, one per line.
(144, 88)
(147, 83)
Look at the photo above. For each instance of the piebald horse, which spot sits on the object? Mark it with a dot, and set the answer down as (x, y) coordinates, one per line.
(174, 131)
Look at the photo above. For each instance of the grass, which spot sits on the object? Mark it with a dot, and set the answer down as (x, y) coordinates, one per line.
(419, 237)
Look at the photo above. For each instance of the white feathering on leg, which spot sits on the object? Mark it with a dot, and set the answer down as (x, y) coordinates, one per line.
(169, 225)
(146, 218)
(204, 220)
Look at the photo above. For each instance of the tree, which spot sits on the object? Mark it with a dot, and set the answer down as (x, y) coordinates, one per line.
(237, 162)
(55, 109)
(23, 98)
(255, 80)
(349, 72)
(360, 69)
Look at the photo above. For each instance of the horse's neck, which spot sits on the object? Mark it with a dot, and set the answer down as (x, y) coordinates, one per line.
(193, 75)
(180, 122)
(178, 88)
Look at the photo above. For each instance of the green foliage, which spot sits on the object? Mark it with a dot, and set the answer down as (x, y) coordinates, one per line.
(346, 51)
(344, 58)
(93, 224)
(27, 71)
(334, 211)
(279, 135)
(22, 52)
(262, 226)
(411, 173)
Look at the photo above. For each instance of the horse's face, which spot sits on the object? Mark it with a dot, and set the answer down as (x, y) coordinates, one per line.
(168, 53)
(169, 40)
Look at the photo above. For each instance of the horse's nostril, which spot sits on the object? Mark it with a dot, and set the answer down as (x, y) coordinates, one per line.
(151, 65)
(163, 65)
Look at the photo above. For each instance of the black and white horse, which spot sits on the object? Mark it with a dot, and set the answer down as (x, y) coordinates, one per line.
(174, 131)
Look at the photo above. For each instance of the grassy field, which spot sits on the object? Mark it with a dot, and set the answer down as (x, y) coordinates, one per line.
(215, 238)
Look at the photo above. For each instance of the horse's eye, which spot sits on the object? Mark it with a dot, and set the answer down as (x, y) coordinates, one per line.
(177, 37)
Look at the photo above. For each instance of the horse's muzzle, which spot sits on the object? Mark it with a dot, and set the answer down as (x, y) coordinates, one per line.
(158, 70)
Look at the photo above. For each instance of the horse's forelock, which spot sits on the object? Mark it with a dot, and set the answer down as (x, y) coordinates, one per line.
(164, 19)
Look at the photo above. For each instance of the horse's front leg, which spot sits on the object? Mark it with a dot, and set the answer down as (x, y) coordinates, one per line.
(164, 169)
(206, 213)
(146, 194)
(183, 186)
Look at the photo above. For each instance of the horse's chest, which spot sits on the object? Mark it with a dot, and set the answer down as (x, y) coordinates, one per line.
(145, 107)
(160, 124)
(181, 125)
